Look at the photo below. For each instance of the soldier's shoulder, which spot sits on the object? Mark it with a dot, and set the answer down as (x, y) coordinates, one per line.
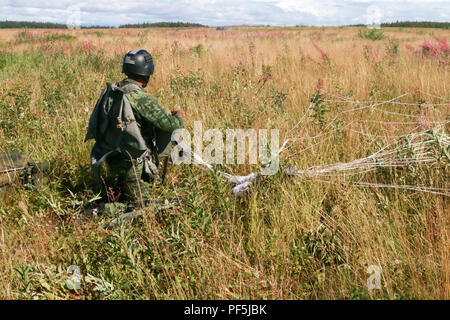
(153, 100)
(140, 99)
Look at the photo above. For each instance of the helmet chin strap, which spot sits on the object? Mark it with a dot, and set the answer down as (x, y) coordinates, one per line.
(143, 81)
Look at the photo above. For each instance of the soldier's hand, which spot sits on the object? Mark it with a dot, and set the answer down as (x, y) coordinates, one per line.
(177, 112)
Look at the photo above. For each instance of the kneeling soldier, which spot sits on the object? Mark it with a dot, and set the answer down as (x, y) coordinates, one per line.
(130, 128)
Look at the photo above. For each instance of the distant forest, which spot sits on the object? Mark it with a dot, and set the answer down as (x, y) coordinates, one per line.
(41, 25)
(163, 25)
(49, 25)
(31, 25)
(417, 24)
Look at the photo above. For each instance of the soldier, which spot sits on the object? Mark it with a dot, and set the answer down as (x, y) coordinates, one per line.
(131, 128)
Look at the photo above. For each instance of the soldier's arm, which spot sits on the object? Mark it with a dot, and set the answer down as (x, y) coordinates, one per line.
(153, 113)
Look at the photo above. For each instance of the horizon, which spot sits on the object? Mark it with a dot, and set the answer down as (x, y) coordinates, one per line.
(215, 26)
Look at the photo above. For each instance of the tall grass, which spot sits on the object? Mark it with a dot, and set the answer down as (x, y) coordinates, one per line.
(286, 239)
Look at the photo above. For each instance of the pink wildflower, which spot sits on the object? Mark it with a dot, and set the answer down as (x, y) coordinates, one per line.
(409, 47)
(319, 84)
(390, 56)
(374, 53)
(442, 45)
(428, 49)
(86, 46)
(310, 58)
(322, 53)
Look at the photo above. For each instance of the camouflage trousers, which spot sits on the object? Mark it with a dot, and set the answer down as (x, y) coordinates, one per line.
(132, 179)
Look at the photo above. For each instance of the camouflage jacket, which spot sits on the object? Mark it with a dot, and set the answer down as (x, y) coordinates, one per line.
(144, 125)
(149, 114)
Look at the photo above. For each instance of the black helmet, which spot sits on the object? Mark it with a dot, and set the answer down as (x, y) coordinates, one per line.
(138, 62)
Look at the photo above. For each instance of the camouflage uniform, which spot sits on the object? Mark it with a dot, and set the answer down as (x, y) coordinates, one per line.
(154, 121)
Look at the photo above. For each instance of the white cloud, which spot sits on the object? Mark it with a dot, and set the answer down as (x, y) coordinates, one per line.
(224, 12)
(314, 8)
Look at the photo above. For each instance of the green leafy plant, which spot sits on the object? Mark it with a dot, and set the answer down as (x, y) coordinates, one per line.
(319, 108)
(371, 34)
(278, 98)
(392, 47)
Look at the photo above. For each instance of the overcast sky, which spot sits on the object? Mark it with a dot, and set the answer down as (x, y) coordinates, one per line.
(225, 12)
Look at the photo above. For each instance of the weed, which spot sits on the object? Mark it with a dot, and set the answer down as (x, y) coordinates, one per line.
(278, 98)
(392, 47)
(319, 108)
(371, 34)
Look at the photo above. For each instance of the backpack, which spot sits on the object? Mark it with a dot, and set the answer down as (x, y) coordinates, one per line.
(114, 127)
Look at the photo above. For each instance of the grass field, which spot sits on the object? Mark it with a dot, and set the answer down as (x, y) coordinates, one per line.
(288, 238)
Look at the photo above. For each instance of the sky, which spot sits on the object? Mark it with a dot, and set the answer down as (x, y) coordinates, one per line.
(225, 12)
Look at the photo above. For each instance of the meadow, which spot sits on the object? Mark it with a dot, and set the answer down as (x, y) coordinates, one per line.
(340, 94)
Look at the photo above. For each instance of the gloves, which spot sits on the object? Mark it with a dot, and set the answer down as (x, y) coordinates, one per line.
(178, 112)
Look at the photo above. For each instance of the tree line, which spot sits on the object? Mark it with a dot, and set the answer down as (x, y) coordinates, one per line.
(31, 25)
(417, 24)
(50, 25)
(162, 25)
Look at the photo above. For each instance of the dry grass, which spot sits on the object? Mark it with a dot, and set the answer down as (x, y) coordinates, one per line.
(287, 239)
